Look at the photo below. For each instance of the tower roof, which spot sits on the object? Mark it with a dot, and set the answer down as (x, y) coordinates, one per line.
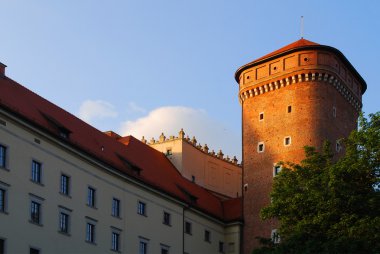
(296, 46)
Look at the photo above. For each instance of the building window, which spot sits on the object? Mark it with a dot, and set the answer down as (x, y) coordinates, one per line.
(115, 207)
(115, 241)
(3, 154)
(289, 109)
(287, 141)
(338, 146)
(35, 212)
(166, 218)
(193, 178)
(275, 236)
(2, 246)
(65, 183)
(34, 251)
(36, 171)
(260, 147)
(221, 247)
(169, 152)
(231, 247)
(91, 197)
(143, 247)
(164, 249)
(188, 228)
(276, 170)
(334, 112)
(90, 233)
(207, 237)
(2, 200)
(261, 116)
(141, 208)
(63, 222)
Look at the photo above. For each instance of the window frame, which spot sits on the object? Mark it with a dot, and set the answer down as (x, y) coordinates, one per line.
(3, 199)
(36, 172)
(90, 232)
(259, 150)
(115, 208)
(64, 223)
(190, 231)
(35, 212)
(261, 116)
(141, 208)
(65, 187)
(276, 239)
(3, 156)
(207, 236)
(91, 197)
(221, 247)
(276, 169)
(166, 219)
(286, 139)
(143, 242)
(115, 241)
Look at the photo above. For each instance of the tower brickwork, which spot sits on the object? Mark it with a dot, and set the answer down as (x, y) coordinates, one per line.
(301, 94)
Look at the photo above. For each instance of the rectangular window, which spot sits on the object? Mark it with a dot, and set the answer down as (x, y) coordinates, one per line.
(2, 200)
(65, 181)
(260, 147)
(3, 154)
(115, 241)
(64, 222)
(287, 141)
(34, 251)
(276, 170)
(2, 246)
(143, 247)
(91, 197)
(164, 250)
(275, 236)
(188, 229)
(334, 112)
(36, 171)
(35, 212)
(90, 233)
(141, 208)
(261, 116)
(166, 218)
(115, 207)
(207, 236)
(289, 109)
(221, 247)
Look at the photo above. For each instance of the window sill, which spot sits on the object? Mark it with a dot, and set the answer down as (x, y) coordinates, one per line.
(167, 224)
(63, 233)
(5, 169)
(35, 223)
(93, 243)
(38, 183)
(117, 251)
(144, 215)
(65, 195)
(93, 207)
(116, 217)
(4, 212)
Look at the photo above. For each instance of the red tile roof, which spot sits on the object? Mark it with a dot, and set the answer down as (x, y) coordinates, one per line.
(127, 155)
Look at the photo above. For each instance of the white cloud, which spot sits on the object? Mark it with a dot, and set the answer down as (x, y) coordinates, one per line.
(195, 122)
(96, 109)
(134, 108)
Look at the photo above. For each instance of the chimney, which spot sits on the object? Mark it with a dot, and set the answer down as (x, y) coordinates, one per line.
(2, 69)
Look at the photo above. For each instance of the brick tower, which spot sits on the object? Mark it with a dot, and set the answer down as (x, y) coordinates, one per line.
(301, 94)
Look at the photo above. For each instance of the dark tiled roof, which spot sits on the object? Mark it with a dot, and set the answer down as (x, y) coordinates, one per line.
(127, 155)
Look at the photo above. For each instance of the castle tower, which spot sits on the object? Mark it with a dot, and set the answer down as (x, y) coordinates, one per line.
(301, 94)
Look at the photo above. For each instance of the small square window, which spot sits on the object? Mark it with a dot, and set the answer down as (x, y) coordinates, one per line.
(35, 212)
(261, 116)
(166, 219)
(91, 196)
(3, 154)
(65, 182)
(115, 244)
(287, 141)
(115, 207)
(207, 237)
(188, 228)
(260, 147)
(289, 109)
(36, 171)
(141, 208)
(90, 233)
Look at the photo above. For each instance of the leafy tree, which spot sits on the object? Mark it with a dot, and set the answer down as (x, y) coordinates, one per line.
(326, 205)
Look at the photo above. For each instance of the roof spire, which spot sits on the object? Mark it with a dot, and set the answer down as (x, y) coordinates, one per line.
(301, 27)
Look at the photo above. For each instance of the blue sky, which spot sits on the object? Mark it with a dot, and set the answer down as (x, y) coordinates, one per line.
(143, 67)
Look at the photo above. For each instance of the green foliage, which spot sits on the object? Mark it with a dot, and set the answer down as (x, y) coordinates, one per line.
(329, 206)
